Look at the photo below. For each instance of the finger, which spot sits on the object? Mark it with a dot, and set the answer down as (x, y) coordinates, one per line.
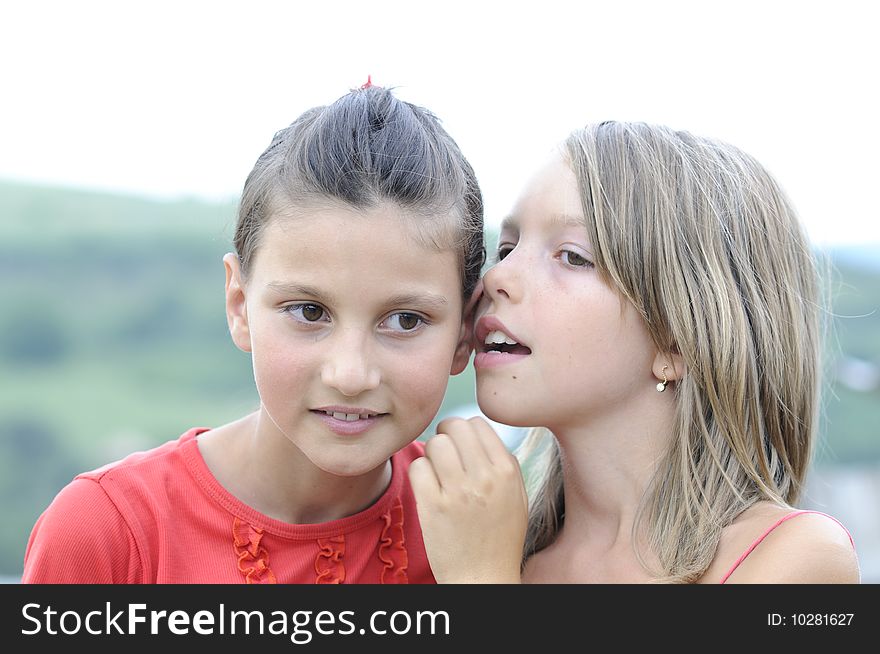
(470, 433)
(501, 458)
(468, 443)
(450, 424)
(490, 441)
(442, 452)
(464, 432)
(423, 480)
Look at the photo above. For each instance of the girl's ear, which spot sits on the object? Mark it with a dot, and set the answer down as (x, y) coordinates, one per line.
(673, 364)
(236, 304)
(465, 337)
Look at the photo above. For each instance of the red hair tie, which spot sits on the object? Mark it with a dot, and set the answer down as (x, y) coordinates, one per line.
(369, 82)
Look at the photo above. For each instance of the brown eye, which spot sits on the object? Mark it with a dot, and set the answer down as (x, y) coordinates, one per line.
(409, 321)
(403, 322)
(312, 312)
(307, 312)
(575, 259)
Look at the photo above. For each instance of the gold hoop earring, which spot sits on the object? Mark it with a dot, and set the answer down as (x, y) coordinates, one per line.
(662, 385)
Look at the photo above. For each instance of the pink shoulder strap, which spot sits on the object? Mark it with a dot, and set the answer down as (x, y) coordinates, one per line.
(760, 538)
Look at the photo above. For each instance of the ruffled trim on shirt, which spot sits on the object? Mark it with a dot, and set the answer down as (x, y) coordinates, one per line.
(328, 564)
(253, 559)
(392, 547)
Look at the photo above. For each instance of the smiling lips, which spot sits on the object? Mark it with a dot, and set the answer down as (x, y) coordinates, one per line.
(350, 417)
(348, 421)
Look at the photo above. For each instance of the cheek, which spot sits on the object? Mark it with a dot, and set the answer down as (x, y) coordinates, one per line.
(421, 376)
(608, 353)
(277, 364)
(422, 396)
(595, 342)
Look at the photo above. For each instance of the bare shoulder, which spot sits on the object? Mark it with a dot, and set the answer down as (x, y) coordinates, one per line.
(799, 548)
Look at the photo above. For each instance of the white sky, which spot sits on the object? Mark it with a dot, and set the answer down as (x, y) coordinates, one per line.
(179, 98)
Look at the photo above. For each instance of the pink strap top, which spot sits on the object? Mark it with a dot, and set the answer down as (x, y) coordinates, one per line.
(760, 538)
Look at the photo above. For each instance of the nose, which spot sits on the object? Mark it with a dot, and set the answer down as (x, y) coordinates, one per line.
(503, 279)
(349, 367)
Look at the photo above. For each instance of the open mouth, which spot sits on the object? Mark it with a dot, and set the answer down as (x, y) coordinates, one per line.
(500, 343)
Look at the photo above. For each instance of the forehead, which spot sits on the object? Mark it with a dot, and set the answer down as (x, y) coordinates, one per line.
(381, 249)
(550, 193)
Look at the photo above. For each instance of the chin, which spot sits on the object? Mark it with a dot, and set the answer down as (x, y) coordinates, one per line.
(345, 469)
(506, 412)
(350, 463)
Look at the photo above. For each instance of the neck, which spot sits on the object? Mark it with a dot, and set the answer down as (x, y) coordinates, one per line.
(259, 465)
(608, 463)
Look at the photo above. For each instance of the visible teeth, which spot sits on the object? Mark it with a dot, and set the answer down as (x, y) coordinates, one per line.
(349, 417)
(497, 338)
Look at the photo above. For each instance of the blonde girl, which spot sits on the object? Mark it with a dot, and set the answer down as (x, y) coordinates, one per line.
(655, 308)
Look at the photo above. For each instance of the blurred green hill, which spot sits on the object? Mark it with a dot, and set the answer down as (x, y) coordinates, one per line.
(113, 338)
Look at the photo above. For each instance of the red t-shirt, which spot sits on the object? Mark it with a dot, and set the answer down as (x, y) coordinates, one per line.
(161, 517)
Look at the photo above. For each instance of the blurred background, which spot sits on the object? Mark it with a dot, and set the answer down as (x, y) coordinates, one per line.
(127, 133)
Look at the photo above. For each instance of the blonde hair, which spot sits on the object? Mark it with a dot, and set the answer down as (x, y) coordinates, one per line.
(703, 242)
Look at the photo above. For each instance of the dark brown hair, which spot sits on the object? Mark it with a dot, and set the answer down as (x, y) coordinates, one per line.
(366, 148)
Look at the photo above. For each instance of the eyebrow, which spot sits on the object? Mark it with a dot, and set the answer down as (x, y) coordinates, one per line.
(425, 300)
(567, 220)
(564, 219)
(287, 288)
